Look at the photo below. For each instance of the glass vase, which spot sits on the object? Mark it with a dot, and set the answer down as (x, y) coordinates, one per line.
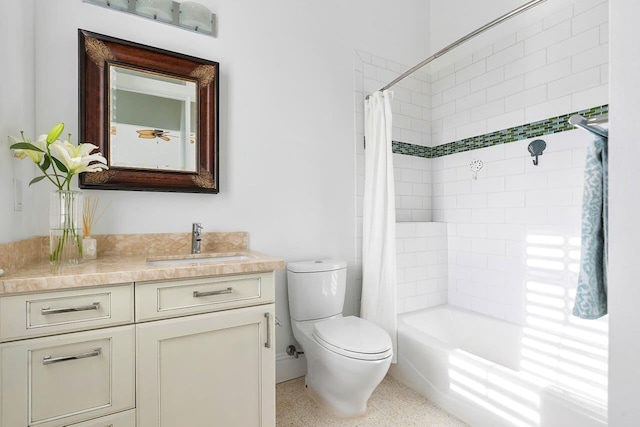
(65, 235)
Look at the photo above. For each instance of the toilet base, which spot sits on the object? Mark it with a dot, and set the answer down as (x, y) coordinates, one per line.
(343, 385)
(338, 383)
(317, 397)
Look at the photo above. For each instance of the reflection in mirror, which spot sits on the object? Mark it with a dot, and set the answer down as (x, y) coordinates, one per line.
(152, 120)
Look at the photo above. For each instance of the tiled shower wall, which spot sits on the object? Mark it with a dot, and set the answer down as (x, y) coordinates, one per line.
(421, 259)
(553, 67)
(491, 219)
(413, 188)
(411, 101)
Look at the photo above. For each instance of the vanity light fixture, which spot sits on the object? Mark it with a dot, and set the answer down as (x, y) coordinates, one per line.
(189, 15)
(161, 10)
(115, 4)
(195, 16)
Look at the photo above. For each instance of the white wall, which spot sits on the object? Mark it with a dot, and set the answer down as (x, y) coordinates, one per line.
(16, 114)
(624, 211)
(286, 123)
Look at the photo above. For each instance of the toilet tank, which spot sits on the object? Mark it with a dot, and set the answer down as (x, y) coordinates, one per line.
(316, 288)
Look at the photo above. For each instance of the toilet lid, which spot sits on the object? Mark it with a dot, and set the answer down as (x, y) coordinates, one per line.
(353, 337)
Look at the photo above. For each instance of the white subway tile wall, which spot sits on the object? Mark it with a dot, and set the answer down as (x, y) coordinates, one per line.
(550, 68)
(413, 188)
(490, 219)
(481, 260)
(411, 104)
(421, 257)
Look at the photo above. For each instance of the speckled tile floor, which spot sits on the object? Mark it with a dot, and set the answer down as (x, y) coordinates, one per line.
(392, 404)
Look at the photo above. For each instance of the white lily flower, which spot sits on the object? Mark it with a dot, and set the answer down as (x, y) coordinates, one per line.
(77, 159)
(36, 156)
(58, 160)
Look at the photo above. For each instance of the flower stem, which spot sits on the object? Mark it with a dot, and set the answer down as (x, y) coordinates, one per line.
(55, 170)
(48, 176)
(66, 246)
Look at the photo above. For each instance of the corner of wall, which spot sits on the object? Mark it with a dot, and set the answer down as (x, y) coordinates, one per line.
(289, 367)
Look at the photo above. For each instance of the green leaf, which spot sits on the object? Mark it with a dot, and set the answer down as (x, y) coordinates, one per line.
(37, 179)
(60, 165)
(45, 163)
(25, 146)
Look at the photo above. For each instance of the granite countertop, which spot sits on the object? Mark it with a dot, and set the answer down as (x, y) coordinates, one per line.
(112, 267)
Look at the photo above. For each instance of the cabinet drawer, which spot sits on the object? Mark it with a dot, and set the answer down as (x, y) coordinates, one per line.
(157, 300)
(48, 313)
(66, 379)
(122, 419)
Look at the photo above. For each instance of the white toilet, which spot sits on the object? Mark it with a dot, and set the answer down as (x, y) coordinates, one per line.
(347, 357)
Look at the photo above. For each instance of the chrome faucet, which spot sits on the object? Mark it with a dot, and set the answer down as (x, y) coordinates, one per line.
(196, 237)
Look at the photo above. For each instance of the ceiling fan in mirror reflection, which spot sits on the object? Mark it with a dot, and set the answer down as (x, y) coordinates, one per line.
(155, 133)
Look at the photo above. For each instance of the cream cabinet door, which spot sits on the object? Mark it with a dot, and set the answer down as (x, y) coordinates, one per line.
(121, 419)
(64, 379)
(215, 369)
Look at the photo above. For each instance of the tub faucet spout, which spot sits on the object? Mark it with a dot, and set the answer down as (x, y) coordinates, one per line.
(196, 237)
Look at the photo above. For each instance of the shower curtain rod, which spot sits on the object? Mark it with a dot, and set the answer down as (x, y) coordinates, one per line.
(590, 125)
(458, 42)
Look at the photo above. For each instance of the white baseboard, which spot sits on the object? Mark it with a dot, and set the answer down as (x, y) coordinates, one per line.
(288, 367)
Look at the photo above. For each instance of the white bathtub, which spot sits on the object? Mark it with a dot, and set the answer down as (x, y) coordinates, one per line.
(469, 365)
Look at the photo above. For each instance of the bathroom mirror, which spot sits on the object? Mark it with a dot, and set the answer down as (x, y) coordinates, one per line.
(152, 113)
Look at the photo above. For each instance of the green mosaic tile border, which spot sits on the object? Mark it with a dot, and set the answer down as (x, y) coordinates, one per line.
(504, 136)
(411, 149)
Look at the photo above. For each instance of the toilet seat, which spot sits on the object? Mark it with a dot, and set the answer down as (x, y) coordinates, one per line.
(353, 337)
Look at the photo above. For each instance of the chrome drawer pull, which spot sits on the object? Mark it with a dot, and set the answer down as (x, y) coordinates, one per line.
(198, 294)
(48, 360)
(48, 310)
(268, 343)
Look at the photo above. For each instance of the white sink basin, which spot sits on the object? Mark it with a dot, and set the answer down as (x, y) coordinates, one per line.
(196, 261)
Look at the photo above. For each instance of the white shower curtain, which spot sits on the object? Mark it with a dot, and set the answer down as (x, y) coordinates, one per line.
(379, 219)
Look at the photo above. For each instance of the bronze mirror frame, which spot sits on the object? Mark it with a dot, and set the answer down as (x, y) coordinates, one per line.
(96, 53)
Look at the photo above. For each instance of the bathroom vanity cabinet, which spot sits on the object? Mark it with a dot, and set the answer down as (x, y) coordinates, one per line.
(216, 368)
(185, 352)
